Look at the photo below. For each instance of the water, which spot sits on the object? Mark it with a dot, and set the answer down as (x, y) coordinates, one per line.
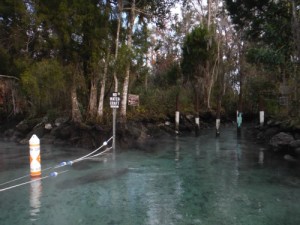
(185, 180)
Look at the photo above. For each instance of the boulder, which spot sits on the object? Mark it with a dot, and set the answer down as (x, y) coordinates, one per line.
(281, 140)
(61, 120)
(48, 126)
(295, 144)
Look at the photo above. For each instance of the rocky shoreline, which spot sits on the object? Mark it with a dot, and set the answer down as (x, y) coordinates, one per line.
(281, 137)
(62, 131)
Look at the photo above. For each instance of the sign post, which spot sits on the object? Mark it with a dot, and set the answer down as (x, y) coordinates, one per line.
(114, 101)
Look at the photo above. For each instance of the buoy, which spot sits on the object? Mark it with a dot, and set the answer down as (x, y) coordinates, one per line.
(35, 157)
(53, 174)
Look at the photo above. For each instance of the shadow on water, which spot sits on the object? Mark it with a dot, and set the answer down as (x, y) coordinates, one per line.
(91, 178)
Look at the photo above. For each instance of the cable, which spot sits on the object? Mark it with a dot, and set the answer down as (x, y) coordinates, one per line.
(99, 153)
(52, 174)
(83, 157)
(22, 177)
(62, 164)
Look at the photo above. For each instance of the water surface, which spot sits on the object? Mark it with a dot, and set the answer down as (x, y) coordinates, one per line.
(228, 180)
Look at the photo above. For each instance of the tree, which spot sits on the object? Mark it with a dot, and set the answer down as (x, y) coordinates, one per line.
(199, 48)
(15, 36)
(144, 10)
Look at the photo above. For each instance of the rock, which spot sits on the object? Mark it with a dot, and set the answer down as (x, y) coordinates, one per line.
(38, 131)
(60, 121)
(295, 144)
(190, 117)
(48, 126)
(65, 132)
(47, 139)
(167, 123)
(290, 158)
(268, 133)
(24, 141)
(23, 127)
(281, 140)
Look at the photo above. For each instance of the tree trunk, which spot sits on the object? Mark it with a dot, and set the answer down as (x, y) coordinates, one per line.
(208, 14)
(127, 72)
(120, 9)
(208, 76)
(93, 98)
(102, 90)
(76, 114)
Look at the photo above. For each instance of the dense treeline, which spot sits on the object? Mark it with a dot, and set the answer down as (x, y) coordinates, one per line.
(67, 57)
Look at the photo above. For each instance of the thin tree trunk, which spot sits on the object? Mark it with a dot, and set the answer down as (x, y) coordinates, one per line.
(127, 72)
(93, 97)
(103, 81)
(102, 90)
(208, 14)
(76, 114)
(208, 77)
(120, 9)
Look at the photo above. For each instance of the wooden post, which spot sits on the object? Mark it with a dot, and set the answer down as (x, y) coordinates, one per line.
(261, 111)
(177, 115)
(197, 119)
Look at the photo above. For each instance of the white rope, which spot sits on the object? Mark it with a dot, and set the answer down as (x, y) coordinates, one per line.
(101, 153)
(22, 177)
(83, 157)
(28, 182)
(65, 163)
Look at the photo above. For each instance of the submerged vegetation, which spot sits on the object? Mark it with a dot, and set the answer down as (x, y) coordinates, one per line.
(65, 58)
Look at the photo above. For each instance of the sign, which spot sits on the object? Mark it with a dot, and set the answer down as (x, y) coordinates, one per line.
(133, 100)
(114, 100)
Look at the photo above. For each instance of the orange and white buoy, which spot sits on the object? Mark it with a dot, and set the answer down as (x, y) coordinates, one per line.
(35, 157)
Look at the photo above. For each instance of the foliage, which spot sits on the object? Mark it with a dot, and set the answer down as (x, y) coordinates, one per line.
(44, 84)
(199, 46)
(157, 103)
(268, 28)
(265, 56)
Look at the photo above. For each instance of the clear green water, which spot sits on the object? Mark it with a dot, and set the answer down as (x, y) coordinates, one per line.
(185, 180)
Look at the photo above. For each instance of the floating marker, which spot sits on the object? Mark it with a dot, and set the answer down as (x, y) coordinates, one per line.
(53, 174)
(62, 164)
(35, 158)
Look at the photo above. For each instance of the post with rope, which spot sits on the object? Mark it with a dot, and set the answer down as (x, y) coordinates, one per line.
(114, 104)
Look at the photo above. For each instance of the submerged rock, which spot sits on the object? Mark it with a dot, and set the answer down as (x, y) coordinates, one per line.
(281, 140)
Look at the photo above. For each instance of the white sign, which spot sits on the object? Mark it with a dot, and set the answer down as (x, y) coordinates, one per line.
(114, 100)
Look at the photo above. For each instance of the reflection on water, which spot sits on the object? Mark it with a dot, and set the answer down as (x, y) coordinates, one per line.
(261, 156)
(177, 148)
(35, 198)
(228, 180)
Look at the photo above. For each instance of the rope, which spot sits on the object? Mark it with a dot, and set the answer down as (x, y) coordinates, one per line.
(101, 153)
(53, 174)
(22, 177)
(83, 157)
(62, 164)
